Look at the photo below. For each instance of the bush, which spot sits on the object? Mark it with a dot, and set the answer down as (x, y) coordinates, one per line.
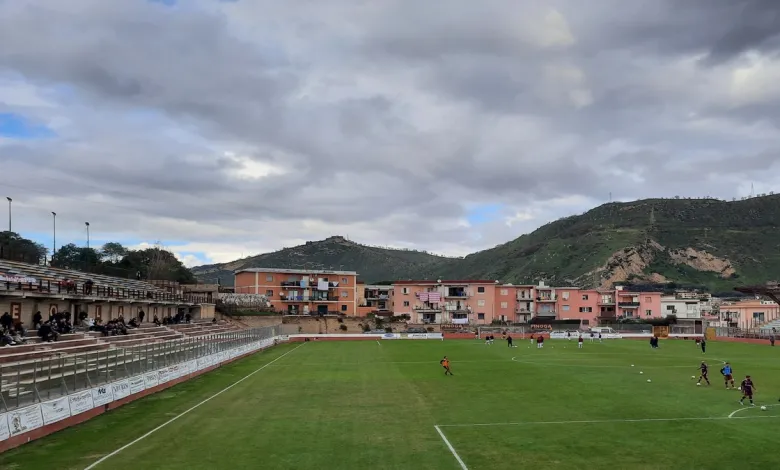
(366, 328)
(388, 330)
(430, 329)
(343, 327)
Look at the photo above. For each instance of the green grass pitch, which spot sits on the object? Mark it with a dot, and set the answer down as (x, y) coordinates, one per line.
(375, 405)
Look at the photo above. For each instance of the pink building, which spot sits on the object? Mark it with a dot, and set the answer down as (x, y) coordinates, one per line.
(591, 305)
(448, 301)
(749, 313)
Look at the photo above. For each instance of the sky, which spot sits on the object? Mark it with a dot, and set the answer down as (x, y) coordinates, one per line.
(223, 129)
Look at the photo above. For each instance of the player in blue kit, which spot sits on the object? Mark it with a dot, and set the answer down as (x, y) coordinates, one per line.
(728, 375)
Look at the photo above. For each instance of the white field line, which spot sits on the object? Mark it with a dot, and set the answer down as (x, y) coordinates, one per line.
(748, 408)
(605, 421)
(452, 449)
(108, 456)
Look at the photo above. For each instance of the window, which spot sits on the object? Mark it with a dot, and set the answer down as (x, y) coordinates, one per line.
(648, 299)
(481, 303)
(405, 290)
(504, 291)
(481, 290)
(406, 303)
(504, 304)
(670, 308)
(565, 296)
(649, 313)
(480, 316)
(344, 280)
(345, 293)
(343, 308)
(269, 278)
(566, 308)
(585, 322)
(586, 309)
(269, 293)
(584, 296)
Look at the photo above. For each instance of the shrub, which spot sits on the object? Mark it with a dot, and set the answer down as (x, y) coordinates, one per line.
(366, 328)
(343, 327)
(388, 330)
(430, 329)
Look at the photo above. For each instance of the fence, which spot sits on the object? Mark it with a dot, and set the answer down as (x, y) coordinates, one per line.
(37, 381)
(755, 333)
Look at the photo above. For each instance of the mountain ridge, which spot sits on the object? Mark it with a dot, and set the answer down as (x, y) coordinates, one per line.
(707, 243)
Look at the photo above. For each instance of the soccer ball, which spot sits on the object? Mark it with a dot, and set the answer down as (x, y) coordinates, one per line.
(632, 365)
(697, 383)
(640, 372)
(763, 408)
(693, 376)
(739, 388)
(648, 380)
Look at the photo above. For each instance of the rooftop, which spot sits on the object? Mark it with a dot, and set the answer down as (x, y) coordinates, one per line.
(448, 281)
(295, 271)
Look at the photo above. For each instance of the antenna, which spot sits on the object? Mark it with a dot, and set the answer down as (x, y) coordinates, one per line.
(751, 190)
(610, 196)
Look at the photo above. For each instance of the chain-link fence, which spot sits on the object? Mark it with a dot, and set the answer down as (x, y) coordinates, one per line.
(30, 382)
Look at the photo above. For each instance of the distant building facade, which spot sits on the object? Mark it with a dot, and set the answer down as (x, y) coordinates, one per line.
(301, 291)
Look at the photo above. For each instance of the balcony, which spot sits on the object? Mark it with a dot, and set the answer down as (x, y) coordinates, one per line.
(546, 299)
(426, 308)
(294, 298)
(546, 313)
(628, 304)
(607, 302)
(524, 311)
(525, 298)
(291, 284)
(456, 295)
(324, 299)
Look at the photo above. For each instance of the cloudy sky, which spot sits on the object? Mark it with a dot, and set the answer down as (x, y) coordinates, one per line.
(229, 128)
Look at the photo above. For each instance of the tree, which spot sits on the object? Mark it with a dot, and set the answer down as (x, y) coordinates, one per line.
(14, 247)
(113, 252)
(75, 257)
(158, 264)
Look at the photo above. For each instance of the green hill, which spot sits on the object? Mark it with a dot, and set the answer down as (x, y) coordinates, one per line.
(372, 263)
(698, 242)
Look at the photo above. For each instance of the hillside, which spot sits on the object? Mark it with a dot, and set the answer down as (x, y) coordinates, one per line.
(698, 242)
(372, 263)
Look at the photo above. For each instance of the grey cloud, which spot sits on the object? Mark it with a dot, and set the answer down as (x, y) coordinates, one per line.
(387, 117)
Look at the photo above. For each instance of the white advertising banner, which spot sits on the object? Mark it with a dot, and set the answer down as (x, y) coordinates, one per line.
(193, 366)
(102, 395)
(4, 432)
(55, 410)
(24, 420)
(435, 336)
(137, 384)
(120, 389)
(80, 402)
(151, 379)
(163, 376)
(174, 372)
(417, 336)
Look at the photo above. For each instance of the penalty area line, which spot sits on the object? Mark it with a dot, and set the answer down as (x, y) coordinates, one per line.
(108, 456)
(451, 448)
(605, 421)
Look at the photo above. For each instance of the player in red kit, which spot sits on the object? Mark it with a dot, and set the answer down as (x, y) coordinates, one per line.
(747, 388)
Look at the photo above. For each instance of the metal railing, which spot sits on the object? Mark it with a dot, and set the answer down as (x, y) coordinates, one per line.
(29, 382)
(102, 291)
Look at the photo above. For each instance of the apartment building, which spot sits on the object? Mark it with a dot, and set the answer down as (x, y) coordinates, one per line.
(301, 291)
(682, 306)
(592, 305)
(446, 301)
(374, 299)
(748, 313)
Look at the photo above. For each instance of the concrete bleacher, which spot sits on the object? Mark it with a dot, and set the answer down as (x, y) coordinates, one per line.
(146, 334)
(772, 324)
(52, 280)
(204, 327)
